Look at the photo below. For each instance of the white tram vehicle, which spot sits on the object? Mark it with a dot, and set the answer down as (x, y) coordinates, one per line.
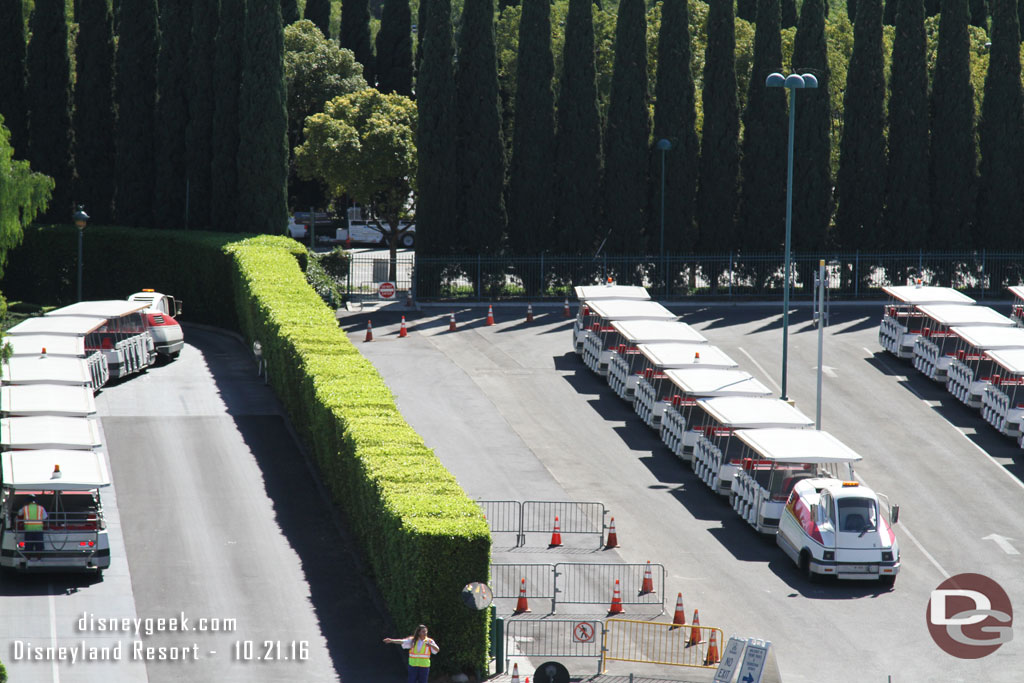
(933, 349)
(1002, 404)
(66, 484)
(49, 432)
(598, 317)
(587, 293)
(62, 400)
(690, 384)
(654, 390)
(901, 321)
(61, 336)
(161, 323)
(717, 455)
(123, 339)
(1017, 310)
(46, 369)
(622, 342)
(971, 369)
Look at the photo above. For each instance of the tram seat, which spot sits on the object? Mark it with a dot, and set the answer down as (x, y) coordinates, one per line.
(106, 343)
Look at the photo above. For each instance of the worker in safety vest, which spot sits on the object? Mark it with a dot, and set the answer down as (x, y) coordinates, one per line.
(420, 647)
(33, 518)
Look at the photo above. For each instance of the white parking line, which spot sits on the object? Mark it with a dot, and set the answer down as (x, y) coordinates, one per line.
(763, 371)
(53, 632)
(906, 531)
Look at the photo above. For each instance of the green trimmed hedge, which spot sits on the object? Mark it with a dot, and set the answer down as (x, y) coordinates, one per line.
(423, 537)
(3, 673)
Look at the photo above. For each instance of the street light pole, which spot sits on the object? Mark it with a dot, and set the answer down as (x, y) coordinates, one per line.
(80, 217)
(664, 145)
(793, 82)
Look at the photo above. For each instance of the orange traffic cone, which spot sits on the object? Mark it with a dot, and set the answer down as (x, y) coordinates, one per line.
(613, 538)
(451, 322)
(565, 311)
(556, 535)
(490, 315)
(369, 331)
(695, 630)
(522, 605)
(712, 655)
(679, 618)
(403, 332)
(616, 607)
(515, 673)
(529, 313)
(648, 584)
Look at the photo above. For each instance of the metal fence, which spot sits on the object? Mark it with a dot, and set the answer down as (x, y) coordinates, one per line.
(555, 638)
(538, 516)
(726, 276)
(655, 642)
(580, 583)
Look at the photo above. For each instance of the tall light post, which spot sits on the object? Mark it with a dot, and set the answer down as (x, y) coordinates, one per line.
(793, 82)
(664, 145)
(81, 218)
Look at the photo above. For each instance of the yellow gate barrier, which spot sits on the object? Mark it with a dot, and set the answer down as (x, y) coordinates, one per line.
(653, 642)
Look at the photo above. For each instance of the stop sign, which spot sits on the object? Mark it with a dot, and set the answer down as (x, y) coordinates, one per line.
(386, 290)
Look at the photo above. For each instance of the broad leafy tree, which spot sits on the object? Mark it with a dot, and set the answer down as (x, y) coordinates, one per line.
(394, 48)
(531, 197)
(23, 195)
(227, 75)
(49, 97)
(172, 113)
(201, 106)
(627, 134)
(363, 145)
(263, 148)
(1000, 210)
(355, 33)
(319, 12)
(13, 74)
(94, 115)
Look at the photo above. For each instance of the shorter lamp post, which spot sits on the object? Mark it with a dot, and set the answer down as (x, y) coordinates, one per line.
(81, 218)
(664, 145)
(793, 82)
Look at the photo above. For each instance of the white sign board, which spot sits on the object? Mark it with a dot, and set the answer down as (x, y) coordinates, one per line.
(386, 291)
(753, 661)
(730, 660)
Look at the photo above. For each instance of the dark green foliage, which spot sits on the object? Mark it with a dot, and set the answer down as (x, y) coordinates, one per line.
(931, 7)
(860, 184)
(289, 12)
(719, 167)
(94, 117)
(437, 176)
(227, 74)
(355, 33)
(263, 148)
(907, 215)
(675, 118)
(201, 104)
(953, 161)
(1000, 210)
(135, 89)
(480, 216)
(421, 25)
(851, 10)
(762, 216)
(531, 198)
(394, 48)
(1020, 13)
(627, 134)
(746, 10)
(812, 174)
(979, 13)
(13, 75)
(319, 12)
(578, 140)
(172, 112)
(49, 99)
(789, 17)
(889, 13)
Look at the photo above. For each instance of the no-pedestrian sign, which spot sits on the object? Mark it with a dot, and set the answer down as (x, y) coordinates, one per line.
(583, 631)
(386, 290)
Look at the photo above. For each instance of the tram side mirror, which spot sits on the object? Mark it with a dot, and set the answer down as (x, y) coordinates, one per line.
(894, 513)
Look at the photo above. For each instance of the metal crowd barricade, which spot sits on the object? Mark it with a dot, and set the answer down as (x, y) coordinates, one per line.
(506, 581)
(555, 638)
(574, 518)
(504, 516)
(654, 642)
(593, 584)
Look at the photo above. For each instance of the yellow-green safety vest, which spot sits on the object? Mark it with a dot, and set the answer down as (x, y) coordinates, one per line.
(33, 513)
(419, 653)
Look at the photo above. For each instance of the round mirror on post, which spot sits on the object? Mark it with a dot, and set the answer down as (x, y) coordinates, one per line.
(477, 595)
(551, 672)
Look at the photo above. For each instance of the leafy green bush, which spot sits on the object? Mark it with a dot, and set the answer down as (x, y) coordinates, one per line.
(323, 283)
(3, 673)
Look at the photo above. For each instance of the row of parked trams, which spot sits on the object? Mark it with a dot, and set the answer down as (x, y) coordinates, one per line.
(53, 463)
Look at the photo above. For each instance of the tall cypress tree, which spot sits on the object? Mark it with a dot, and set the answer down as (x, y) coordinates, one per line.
(889, 13)
(719, 166)
(1000, 210)
(49, 98)
(675, 119)
(907, 212)
(578, 140)
(931, 7)
(263, 148)
(227, 75)
(979, 13)
(394, 48)
(531, 207)
(199, 134)
(953, 160)
(13, 75)
(289, 12)
(421, 27)
(436, 129)
(627, 134)
(135, 87)
(789, 16)
(812, 172)
(319, 12)
(172, 112)
(355, 34)
(860, 183)
(94, 110)
(746, 10)
(480, 218)
(851, 10)
(762, 214)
